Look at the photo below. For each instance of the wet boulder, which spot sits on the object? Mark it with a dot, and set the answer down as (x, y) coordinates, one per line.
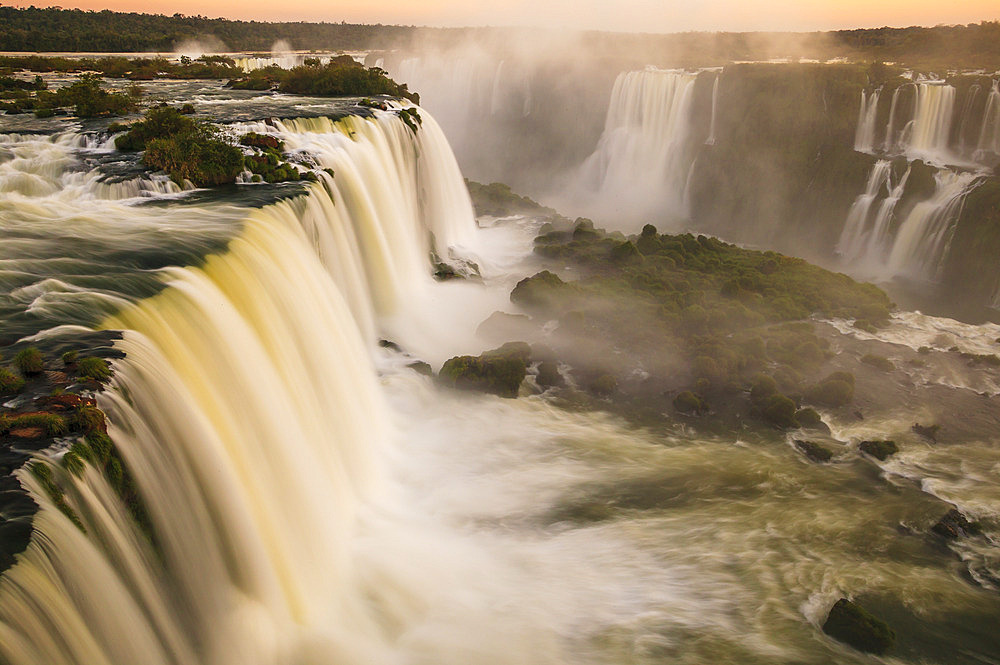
(539, 290)
(814, 451)
(856, 627)
(548, 375)
(498, 372)
(955, 525)
(809, 418)
(420, 367)
(690, 403)
(929, 432)
(880, 450)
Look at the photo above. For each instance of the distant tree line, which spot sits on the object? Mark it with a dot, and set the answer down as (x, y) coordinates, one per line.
(54, 29)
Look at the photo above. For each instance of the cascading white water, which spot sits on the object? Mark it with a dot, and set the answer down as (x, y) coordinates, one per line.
(864, 139)
(989, 135)
(39, 166)
(863, 242)
(640, 167)
(715, 105)
(927, 135)
(394, 197)
(891, 143)
(289, 60)
(922, 240)
(856, 228)
(247, 412)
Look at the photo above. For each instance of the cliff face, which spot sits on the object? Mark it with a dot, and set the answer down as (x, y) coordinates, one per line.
(782, 170)
(863, 168)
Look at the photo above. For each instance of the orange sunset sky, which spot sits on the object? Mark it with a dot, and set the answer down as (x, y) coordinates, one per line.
(620, 15)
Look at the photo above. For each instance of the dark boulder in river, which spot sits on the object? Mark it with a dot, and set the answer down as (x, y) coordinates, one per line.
(880, 450)
(955, 525)
(858, 628)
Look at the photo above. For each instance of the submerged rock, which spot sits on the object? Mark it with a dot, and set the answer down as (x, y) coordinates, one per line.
(880, 450)
(858, 628)
(420, 367)
(814, 451)
(688, 402)
(929, 432)
(955, 525)
(548, 375)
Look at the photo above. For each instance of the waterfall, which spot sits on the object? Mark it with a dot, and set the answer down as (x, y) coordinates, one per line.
(248, 414)
(643, 158)
(857, 232)
(891, 139)
(922, 240)
(864, 140)
(393, 197)
(289, 60)
(715, 104)
(968, 110)
(927, 135)
(989, 135)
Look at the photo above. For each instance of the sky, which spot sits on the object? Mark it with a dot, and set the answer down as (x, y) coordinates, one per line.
(614, 15)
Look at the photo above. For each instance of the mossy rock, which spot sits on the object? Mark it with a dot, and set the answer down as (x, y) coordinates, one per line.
(29, 361)
(548, 375)
(689, 403)
(809, 418)
(262, 141)
(880, 450)
(779, 411)
(762, 388)
(878, 362)
(858, 628)
(814, 451)
(539, 290)
(601, 385)
(835, 390)
(420, 367)
(93, 368)
(498, 372)
(10, 383)
(625, 253)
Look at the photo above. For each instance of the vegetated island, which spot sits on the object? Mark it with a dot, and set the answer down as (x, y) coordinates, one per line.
(339, 77)
(658, 326)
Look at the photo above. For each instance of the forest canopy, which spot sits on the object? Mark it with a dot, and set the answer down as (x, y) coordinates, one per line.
(74, 30)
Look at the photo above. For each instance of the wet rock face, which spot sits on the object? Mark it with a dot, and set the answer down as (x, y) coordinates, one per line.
(498, 372)
(854, 626)
(814, 451)
(955, 525)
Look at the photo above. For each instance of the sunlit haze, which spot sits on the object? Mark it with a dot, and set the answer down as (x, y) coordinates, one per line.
(626, 15)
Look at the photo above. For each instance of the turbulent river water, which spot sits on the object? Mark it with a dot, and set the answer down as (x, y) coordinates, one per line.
(314, 500)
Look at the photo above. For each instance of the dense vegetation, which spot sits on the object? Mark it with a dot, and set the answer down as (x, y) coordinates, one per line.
(54, 29)
(198, 152)
(340, 77)
(710, 325)
(86, 96)
(137, 69)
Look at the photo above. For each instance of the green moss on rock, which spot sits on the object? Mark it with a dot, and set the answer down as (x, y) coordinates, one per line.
(498, 372)
(880, 450)
(858, 628)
